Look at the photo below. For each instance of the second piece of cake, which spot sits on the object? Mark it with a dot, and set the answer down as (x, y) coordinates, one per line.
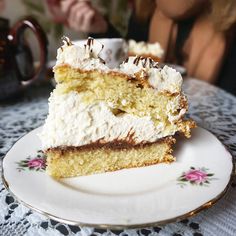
(144, 49)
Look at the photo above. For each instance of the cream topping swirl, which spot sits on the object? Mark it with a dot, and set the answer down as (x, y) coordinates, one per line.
(142, 48)
(87, 58)
(161, 79)
(73, 123)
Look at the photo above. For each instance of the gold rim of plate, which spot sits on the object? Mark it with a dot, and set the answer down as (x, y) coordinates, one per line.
(204, 206)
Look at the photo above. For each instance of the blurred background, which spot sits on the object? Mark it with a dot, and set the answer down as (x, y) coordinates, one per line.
(15, 10)
(198, 35)
(40, 10)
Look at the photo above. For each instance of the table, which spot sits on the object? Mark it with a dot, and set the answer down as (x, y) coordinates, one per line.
(212, 108)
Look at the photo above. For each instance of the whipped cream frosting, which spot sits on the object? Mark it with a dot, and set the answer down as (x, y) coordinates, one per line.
(73, 123)
(87, 58)
(161, 79)
(142, 48)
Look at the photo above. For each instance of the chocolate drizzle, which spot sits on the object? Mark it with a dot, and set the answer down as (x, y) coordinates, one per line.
(136, 60)
(151, 63)
(114, 145)
(101, 60)
(88, 46)
(90, 41)
(145, 62)
(67, 41)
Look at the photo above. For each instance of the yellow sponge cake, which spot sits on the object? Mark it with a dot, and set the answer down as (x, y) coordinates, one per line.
(103, 119)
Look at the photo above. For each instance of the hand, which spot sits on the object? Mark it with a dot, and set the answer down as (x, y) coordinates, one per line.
(83, 17)
(57, 15)
(2, 5)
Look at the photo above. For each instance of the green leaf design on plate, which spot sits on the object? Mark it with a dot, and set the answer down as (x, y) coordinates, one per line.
(36, 163)
(196, 177)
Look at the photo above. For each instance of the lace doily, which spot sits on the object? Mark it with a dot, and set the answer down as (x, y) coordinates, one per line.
(212, 108)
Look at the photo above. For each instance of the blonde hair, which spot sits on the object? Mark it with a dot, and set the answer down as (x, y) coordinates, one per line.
(223, 14)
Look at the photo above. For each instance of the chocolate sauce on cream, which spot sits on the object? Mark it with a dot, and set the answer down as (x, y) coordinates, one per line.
(146, 62)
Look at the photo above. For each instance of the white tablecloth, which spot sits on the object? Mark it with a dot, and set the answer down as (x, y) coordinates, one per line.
(211, 107)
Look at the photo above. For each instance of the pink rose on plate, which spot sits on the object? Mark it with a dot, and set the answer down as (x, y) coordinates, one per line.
(196, 176)
(37, 163)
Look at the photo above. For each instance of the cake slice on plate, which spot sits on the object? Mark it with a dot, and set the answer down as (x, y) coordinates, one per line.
(144, 49)
(104, 120)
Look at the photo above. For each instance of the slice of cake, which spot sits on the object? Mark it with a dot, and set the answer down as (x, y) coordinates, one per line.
(144, 49)
(103, 119)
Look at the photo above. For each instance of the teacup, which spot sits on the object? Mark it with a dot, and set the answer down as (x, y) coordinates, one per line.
(114, 52)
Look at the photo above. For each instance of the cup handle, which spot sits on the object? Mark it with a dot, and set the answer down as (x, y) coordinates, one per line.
(14, 38)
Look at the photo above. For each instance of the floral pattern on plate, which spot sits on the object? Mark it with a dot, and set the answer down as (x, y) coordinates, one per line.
(196, 176)
(37, 163)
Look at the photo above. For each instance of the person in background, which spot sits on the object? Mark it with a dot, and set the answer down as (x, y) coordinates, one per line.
(197, 34)
(78, 15)
(2, 6)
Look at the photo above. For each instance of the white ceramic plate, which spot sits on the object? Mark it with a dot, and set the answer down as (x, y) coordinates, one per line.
(127, 198)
